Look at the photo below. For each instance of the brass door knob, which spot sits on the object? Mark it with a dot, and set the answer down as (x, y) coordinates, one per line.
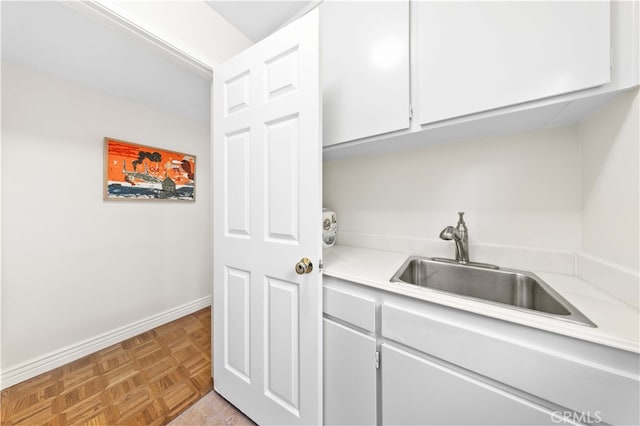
(304, 266)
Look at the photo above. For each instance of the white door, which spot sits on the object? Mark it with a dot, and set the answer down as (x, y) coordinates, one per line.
(267, 319)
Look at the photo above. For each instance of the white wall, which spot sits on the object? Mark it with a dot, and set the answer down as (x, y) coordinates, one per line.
(610, 158)
(75, 266)
(557, 193)
(192, 26)
(517, 190)
(610, 196)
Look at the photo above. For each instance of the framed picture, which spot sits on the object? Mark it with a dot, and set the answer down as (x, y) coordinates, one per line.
(133, 171)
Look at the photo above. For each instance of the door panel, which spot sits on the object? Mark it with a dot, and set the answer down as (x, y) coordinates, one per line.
(281, 337)
(237, 346)
(282, 179)
(282, 73)
(237, 178)
(236, 93)
(267, 214)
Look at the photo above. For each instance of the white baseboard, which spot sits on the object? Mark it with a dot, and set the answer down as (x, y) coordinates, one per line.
(615, 280)
(32, 368)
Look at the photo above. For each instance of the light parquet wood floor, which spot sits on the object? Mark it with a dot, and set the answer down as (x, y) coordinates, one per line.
(146, 380)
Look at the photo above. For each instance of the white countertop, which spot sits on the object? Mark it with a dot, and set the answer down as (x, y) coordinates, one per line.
(618, 325)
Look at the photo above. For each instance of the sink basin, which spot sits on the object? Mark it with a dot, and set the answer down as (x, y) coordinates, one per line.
(510, 288)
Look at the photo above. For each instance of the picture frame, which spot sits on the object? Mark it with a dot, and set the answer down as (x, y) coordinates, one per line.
(134, 171)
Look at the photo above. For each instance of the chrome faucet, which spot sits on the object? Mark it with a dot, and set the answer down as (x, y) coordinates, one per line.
(460, 235)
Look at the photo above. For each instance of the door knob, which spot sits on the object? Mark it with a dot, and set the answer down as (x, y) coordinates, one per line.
(304, 266)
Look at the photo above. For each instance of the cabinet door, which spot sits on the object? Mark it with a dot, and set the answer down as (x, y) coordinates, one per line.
(365, 69)
(477, 56)
(416, 391)
(349, 376)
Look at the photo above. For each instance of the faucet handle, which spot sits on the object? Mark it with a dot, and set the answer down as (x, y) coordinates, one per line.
(460, 219)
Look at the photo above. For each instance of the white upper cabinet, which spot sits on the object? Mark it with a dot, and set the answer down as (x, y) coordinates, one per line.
(479, 56)
(365, 69)
(477, 68)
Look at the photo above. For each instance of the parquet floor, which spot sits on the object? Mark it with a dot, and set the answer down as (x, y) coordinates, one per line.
(148, 379)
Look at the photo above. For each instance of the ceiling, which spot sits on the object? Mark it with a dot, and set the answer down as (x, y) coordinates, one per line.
(258, 19)
(59, 40)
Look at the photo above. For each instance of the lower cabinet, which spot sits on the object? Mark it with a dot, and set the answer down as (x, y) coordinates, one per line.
(349, 376)
(417, 391)
(394, 360)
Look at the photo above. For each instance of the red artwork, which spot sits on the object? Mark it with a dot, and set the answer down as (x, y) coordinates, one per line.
(135, 171)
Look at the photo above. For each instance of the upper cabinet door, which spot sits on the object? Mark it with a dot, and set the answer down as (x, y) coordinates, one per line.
(365, 69)
(478, 56)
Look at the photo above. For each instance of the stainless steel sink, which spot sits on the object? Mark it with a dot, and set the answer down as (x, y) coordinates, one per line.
(506, 287)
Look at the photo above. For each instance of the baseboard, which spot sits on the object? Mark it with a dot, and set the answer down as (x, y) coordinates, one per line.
(32, 368)
(615, 280)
